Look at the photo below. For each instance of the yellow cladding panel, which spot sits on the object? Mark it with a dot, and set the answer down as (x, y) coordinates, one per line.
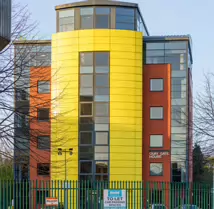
(126, 106)
(125, 94)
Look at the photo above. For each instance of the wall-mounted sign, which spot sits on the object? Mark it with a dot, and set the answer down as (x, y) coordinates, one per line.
(51, 201)
(114, 199)
(158, 154)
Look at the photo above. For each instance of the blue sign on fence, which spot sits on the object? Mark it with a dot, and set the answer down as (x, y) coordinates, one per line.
(114, 199)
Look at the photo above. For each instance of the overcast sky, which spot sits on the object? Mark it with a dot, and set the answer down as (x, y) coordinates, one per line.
(163, 17)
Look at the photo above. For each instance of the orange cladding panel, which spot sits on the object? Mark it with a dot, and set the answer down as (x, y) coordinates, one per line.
(38, 128)
(157, 127)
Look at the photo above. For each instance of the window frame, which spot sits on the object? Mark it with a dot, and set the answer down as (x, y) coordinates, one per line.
(156, 146)
(161, 163)
(92, 110)
(150, 87)
(156, 117)
(48, 81)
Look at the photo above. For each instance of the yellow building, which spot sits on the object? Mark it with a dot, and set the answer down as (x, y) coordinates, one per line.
(97, 91)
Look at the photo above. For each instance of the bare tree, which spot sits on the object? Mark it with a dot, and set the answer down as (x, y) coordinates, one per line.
(17, 62)
(203, 122)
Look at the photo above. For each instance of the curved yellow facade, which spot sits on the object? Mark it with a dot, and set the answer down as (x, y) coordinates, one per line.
(126, 70)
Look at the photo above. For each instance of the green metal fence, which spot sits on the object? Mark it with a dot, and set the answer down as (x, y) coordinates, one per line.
(90, 195)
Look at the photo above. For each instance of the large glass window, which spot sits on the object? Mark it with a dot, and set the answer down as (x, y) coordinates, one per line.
(156, 140)
(94, 113)
(66, 20)
(43, 87)
(86, 81)
(86, 18)
(156, 84)
(156, 169)
(125, 18)
(101, 138)
(156, 113)
(102, 19)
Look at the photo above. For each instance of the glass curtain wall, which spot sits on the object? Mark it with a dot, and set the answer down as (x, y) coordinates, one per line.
(101, 17)
(175, 53)
(94, 116)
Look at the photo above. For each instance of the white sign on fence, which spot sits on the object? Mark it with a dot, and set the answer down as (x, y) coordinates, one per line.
(114, 199)
(51, 201)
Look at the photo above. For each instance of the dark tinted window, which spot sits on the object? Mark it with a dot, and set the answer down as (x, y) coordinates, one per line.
(86, 109)
(43, 169)
(43, 142)
(85, 167)
(43, 114)
(125, 19)
(85, 138)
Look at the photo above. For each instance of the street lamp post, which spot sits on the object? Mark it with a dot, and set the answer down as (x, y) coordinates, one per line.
(70, 151)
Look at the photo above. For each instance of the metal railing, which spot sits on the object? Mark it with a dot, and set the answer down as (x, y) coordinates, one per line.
(92, 195)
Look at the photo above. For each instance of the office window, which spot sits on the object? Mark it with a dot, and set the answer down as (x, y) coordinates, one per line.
(86, 138)
(102, 80)
(86, 81)
(43, 114)
(101, 153)
(102, 19)
(86, 153)
(156, 140)
(156, 84)
(44, 87)
(43, 169)
(86, 59)
(85, 167)
(101, 138)
(86, 18)
(66, 20)
(125, 18)
(155, 46)
(43, 142)
(86, 63)
(101, 109)
(156, 113)
(156, 169)
(86, 109)
(101, 167)
(102, 60)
